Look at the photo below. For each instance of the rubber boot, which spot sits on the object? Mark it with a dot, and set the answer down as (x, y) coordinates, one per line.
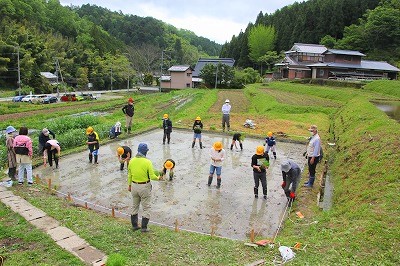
(256, 192)
(129, 130)
(193, 143)
(274, 153)
(231, 146)
(218, 182)
(310, 182)
(121, 167)
(265, 193)
(90, 158)
(171, 176)
(145, 221)
(210, 179)
(201, 145)
(95, 159)
(229, 128)
(223, 129)
(134, 221)
(241, 146)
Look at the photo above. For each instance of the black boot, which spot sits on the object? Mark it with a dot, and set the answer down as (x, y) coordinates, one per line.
(218, 182)
(210, 178)
(121, 167)
(129, 130)
(95, 159)
(193, 144)
(241, 146)
(201, 145)
(134, 221)
(274, 153)
(265, 193)
(231, 146)
(256, 192)
(171, 176)
(145, 221)
(90, 158)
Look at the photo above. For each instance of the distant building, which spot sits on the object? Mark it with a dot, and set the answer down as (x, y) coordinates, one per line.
(214, 61)
(53, 79)
(179, 77)
(316, 61)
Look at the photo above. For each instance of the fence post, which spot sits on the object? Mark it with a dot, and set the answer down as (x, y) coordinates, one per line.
(176, 225)
(252, 235)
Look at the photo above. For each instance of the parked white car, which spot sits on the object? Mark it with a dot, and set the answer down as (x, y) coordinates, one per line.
(28, 98)
(34, 98)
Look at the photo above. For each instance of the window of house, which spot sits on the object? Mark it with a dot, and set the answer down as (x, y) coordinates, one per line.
(321, 72)
(188, 74)
(187, 85)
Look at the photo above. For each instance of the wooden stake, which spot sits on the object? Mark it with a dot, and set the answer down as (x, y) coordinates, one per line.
(176, 225)
(113, 212)
(49, 183)
(252, 235)
(212, 231)
(69, 197)
(37, 179)
(86, 205)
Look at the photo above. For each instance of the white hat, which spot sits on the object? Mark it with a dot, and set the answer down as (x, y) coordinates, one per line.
(10, 129)
(45, 131)
(227, 101)
(285, 166)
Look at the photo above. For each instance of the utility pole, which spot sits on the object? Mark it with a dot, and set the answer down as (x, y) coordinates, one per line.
(111, 79)
(58, 71)
(162, 63)
(216, 77)
(128, 83)
(19, 73)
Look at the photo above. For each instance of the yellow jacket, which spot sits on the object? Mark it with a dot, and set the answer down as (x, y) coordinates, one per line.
(140, 169)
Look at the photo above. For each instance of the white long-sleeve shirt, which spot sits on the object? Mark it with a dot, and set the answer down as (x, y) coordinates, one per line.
(226, 109)
(314, 146)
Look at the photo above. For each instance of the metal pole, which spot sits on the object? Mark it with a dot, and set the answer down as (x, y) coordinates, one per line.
(162, 62)
(216, 77)
(111, 79)
(19, 73)
(128, 82)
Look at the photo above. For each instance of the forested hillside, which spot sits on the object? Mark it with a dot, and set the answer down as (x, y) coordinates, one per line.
(343, 24)
(90, 44)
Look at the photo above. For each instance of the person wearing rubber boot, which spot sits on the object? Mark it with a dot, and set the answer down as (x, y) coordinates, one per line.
(226, 109)
(291, 174)
(260, 164)
(237, 137)
(124, 154)
(271, 143)
(129, 110)
(11, 155)
(167, 127)
(313, 153)
(52, 150)
(197, 127)
(217, 154)
(140, 172)
(169, 164)
(93, 143)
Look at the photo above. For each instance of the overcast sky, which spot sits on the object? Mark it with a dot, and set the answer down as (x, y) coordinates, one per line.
(217, 20)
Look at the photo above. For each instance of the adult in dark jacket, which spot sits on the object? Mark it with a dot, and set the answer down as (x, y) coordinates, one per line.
(167, 126)
(129, 110)
(44, 136)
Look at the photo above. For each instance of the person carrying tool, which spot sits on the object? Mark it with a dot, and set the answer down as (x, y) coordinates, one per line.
(140, 172)
(291, 174)
(197, 127)
(226, 109)
(129, 110)
(124, 154)
(217, 154)
(260, 164)
(169, 164)
(93, 143)
(271, 143)
(237, 137)
(167, 127)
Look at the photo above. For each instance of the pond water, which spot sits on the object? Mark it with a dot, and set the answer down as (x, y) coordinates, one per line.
(232, 210)
(392, 109)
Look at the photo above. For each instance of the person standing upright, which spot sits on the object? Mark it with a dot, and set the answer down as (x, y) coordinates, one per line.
(11, 156)
(259, 163)
(271, 143)
(197, 127)
(217, 154)
(313, 153)
(140, 172)
(226, 109)
(93, 143)
(129, 110)
(167, 127)
(23, 150)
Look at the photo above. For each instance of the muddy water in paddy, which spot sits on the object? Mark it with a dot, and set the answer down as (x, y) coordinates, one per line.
(232, 209)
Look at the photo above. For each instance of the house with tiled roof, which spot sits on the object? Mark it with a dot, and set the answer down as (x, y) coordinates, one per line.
(179, 77)
(317, 61)
(214, 61)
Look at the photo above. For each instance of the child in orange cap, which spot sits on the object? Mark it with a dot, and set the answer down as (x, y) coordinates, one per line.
(217, 154)
(169, 164)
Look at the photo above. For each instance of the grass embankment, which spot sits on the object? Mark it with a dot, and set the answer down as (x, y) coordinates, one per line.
(360, 229)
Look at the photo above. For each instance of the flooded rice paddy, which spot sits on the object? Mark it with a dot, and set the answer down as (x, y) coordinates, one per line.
(232, 210)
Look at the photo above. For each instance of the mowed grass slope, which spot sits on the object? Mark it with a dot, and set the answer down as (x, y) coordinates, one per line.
(360, 229)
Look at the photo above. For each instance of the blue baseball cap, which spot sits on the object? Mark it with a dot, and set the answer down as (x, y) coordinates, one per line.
(10, 129)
